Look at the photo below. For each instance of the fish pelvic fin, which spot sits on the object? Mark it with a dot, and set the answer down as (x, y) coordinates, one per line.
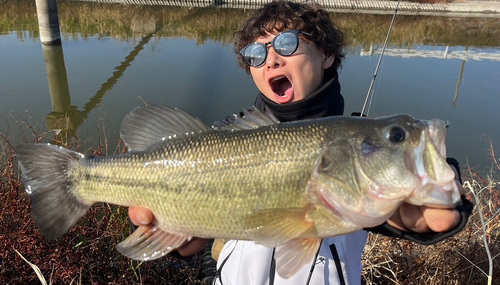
(149, 243)
(147, 125)
(56, 209)
(276, 227)
(293, 255)
(283, 229)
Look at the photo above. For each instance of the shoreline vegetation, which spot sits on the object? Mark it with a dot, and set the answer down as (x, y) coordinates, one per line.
(87, 255)
(82, 20)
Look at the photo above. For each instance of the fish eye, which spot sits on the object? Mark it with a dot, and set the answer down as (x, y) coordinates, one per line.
(325, 164)
(396, 134)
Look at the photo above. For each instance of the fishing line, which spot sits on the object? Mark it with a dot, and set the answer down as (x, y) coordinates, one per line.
(313, 264)
(375, 90)
(368, 97)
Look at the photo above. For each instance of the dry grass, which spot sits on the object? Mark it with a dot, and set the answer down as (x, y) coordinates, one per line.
(85, 255)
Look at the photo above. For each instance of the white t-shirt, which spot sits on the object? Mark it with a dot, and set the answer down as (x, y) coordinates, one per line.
(247, 263)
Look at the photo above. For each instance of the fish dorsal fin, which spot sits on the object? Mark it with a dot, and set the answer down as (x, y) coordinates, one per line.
(146, 125)
(250, 118)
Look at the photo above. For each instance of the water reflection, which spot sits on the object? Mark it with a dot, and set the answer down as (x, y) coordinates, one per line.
(458, 83)
(63, 116)
(183, 57)
(66, 118)
(80, 19)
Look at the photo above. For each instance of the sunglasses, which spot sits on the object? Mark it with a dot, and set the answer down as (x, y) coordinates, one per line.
(284, 44)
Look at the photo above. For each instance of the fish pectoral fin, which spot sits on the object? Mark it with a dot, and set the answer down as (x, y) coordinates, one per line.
(275, 227)
(149, 243)
(293, 255)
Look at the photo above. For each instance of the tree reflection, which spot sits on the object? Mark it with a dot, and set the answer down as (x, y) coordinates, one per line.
(66, 118)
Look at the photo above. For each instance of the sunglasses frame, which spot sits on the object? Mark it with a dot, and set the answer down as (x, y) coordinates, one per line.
(264, 45)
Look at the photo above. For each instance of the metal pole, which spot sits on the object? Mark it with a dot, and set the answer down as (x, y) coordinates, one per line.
(48, 22)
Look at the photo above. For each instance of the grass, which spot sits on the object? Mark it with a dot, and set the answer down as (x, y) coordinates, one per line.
(86, 255)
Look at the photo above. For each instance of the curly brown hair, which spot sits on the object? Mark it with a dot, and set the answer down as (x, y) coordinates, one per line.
(281, 16)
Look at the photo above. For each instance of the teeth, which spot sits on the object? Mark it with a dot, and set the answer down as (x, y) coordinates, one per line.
(419, 160)
(448, 187)
(278, 78)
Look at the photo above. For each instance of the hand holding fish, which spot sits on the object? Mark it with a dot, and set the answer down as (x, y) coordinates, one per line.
(143, 217)
(408, 217)
(422, 219)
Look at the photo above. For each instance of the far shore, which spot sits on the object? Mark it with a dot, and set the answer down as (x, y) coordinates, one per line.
(457, 8)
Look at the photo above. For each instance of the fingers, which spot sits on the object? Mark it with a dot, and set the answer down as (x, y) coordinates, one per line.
(423, 219)
(413, 218)
(140, 216)
(441, 220)
(193, 246)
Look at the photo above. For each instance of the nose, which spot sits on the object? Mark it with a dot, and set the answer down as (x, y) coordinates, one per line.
(273, 60)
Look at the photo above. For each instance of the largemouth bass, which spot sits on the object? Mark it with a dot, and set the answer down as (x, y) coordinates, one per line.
(285, 185)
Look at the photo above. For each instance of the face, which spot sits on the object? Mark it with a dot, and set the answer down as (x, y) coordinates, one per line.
(285, 79)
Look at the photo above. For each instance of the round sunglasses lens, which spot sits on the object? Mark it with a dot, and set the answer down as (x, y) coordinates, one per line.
(254, 54)
(286, 43)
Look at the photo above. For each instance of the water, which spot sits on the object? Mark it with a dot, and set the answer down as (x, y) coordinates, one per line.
(105, 72)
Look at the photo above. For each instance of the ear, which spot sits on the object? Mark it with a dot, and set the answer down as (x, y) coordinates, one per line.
(328, 61)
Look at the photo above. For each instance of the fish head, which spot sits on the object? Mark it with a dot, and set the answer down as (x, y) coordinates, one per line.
(379, 163)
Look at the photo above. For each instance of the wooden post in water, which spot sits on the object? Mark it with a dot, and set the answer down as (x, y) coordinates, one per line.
(63, 115)
(48, 22)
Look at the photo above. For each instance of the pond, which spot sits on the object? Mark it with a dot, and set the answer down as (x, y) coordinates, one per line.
(116, 57)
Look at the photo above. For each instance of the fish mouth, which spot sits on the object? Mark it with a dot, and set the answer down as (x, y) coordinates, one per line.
(282, 88)
(437, 179)
(430, 154)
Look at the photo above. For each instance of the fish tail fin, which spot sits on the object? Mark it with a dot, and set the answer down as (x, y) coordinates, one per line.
(56, 208)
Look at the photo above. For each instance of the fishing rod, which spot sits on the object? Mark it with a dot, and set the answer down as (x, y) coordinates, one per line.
(368, 96)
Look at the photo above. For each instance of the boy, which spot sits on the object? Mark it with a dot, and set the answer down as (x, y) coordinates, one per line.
(293, 52)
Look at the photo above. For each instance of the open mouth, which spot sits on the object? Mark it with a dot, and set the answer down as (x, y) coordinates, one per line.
(282, 88)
